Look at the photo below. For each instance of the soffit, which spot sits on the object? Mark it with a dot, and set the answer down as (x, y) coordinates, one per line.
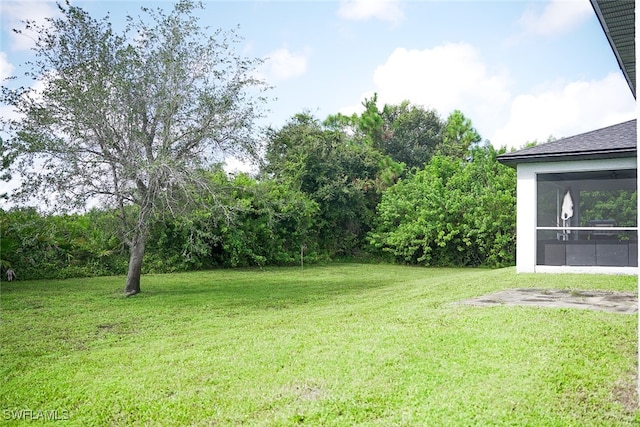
(617, 18)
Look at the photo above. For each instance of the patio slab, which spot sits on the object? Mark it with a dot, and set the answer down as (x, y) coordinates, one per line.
(617, 302)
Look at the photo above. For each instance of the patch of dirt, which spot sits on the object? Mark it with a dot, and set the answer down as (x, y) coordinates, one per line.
(617, 302)
(625, 391)
(310, 393)
(306, 391)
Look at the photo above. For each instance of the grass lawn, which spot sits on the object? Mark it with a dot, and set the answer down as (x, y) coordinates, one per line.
(344, 344)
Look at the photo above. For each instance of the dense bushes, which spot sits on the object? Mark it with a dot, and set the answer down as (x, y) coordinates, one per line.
(333, 189)
(450, 213)
(60, 246)
(264, 223)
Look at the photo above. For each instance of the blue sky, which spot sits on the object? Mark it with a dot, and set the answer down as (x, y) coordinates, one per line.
(520, 70)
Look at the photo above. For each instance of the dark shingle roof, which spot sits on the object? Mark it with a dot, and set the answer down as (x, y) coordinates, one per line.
(606, 143)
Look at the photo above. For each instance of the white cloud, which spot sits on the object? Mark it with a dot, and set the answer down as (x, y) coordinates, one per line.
(6, 69)
(283, 64)
(362, 10)
(556, 17)
(454, 76)
(14, 12)
(447, 77)
(568, 110)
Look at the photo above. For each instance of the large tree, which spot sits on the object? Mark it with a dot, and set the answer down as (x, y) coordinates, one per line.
(413, 133)
(342, 174)
(130, 119)
(458, 136)
(408, 133)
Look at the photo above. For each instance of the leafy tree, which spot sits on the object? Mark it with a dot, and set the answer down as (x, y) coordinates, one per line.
(412, 134)
(5, 174)
(265, 223)
(130, 119)
(342, 174)
(458, 136)
(274, 221)
(451, 213)
(407, 133)
(371, 123)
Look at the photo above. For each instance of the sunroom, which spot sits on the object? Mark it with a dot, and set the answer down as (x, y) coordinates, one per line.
(577, 203)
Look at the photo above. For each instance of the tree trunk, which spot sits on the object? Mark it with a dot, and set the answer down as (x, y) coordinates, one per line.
(135, 266)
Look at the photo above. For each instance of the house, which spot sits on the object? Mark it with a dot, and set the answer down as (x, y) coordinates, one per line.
(577, 203)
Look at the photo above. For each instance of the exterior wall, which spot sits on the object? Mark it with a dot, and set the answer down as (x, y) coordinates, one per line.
(527, 210)
(526, 218)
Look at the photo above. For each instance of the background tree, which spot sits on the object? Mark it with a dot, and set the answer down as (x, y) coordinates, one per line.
(343, 174)
(371, 124)
(407, 133)
(451, 213)
(412, 135)
(130, 120)
(458, 136)
(263, 223)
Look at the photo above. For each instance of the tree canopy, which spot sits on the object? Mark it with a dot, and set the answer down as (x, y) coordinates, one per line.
(134, 125)
(130, 120)
(342, 173)
(451, 213)
(458, 136)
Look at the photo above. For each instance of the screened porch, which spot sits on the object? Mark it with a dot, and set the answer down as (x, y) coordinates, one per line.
(587, 219)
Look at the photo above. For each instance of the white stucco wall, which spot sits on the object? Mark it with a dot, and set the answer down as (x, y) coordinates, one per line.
(526, 210)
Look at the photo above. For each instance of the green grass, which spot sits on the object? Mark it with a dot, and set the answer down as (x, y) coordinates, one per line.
(344, 344)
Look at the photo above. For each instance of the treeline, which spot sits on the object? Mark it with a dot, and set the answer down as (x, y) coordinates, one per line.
(397, 183)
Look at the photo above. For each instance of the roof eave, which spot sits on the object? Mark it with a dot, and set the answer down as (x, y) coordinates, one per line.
(614, 48)
(513, 161)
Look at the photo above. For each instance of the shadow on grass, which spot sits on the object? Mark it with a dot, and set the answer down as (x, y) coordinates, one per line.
(280, 288)
(269, 288)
